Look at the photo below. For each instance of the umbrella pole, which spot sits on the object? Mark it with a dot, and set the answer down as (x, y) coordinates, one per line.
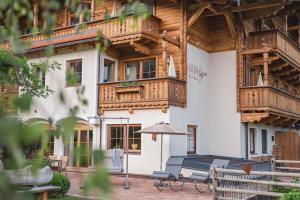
(161, 153)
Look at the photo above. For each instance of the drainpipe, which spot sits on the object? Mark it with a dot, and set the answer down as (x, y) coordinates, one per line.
(97, 92)
(246, 141)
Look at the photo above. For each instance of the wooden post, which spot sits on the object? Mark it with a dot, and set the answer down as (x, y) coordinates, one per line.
(214, 182)
(36, 14)
(273, 165)
(164, 54)
(266, 69)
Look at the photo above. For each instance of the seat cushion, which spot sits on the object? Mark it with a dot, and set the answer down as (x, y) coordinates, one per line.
(199, 177)
(161, 175)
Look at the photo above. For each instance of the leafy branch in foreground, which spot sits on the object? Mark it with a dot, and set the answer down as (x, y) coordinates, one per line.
(17, 70)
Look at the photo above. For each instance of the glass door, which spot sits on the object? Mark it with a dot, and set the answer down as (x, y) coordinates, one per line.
(83, 147)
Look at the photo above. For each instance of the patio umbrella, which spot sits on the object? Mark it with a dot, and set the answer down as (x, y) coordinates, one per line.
(162, 128)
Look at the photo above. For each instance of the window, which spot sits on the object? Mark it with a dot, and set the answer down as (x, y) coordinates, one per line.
(117, 137)
(50, 143)
(132, 71)
(84, 16)
(74, 72)
(83, 146)
(134, 139)
(129, 7)
(109, 70)
(41, 74)
(264, 141)
(191, 139)
(149, 70)
(252, 141)
(141, 70)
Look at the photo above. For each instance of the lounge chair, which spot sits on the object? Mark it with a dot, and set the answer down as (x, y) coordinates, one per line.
(172, 174)
(205, 178)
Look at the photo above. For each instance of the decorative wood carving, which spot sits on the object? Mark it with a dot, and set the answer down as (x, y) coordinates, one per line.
(153, 93)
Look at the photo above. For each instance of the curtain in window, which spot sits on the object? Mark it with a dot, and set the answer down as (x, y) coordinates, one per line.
(132, 71)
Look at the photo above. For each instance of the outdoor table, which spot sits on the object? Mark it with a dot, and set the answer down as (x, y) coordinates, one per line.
(43, 191)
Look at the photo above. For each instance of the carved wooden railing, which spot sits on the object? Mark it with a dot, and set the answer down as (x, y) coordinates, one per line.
(7, 101)
(276, 40)
(269, 98)
(160, 92)
(112, 29)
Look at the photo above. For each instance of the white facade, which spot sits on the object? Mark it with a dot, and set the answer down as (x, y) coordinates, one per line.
(211, 107)
(51, 107)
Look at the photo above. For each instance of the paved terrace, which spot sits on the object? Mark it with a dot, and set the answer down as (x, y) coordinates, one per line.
(141, 189)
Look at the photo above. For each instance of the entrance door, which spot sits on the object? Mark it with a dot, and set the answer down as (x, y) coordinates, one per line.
(287, 146)
(83, 141)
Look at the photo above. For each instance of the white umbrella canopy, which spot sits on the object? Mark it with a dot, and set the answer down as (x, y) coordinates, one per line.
(162, 128)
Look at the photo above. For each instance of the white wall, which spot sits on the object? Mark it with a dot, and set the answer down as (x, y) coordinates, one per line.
(51, 107)
(56, 80)
(149, 159)
(224, 120)
(211, 103)
(196, 112)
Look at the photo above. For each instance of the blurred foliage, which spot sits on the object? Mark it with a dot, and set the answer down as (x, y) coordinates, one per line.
(20, 141)
(61, 181)
(17, 70)
(292, 195)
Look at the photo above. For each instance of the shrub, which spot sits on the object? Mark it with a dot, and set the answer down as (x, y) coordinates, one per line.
(292, 195)
(61, 181)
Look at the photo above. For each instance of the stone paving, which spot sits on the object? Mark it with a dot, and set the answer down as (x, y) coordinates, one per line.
(141, 189)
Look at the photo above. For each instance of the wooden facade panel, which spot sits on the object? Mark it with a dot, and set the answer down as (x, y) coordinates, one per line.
(211, 34)
(288, 146)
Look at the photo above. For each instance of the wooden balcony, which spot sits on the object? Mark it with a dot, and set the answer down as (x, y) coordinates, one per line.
(279, 43)
(142, 94)
(7, 102)
(268, 104)
(113, 30)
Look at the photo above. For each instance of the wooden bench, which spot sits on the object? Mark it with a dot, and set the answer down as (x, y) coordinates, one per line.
(42, 191)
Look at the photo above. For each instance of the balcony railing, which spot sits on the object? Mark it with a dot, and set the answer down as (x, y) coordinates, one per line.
(269, 99)
(112, 29)
(150, 93)
(276, 40)
(7, 102)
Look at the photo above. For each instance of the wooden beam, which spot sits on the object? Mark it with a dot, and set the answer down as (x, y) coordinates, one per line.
(291, 77)
(286, 72)
(170, 39)
(260, 61)
(270, 120)
(246, 7)
(256, 14)
(230, 23)
(138, 47)
(197, 14)
(257, 51)
(291, 28)
(279, 67)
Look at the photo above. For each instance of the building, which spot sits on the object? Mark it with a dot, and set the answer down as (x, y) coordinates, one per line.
(234, 83)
